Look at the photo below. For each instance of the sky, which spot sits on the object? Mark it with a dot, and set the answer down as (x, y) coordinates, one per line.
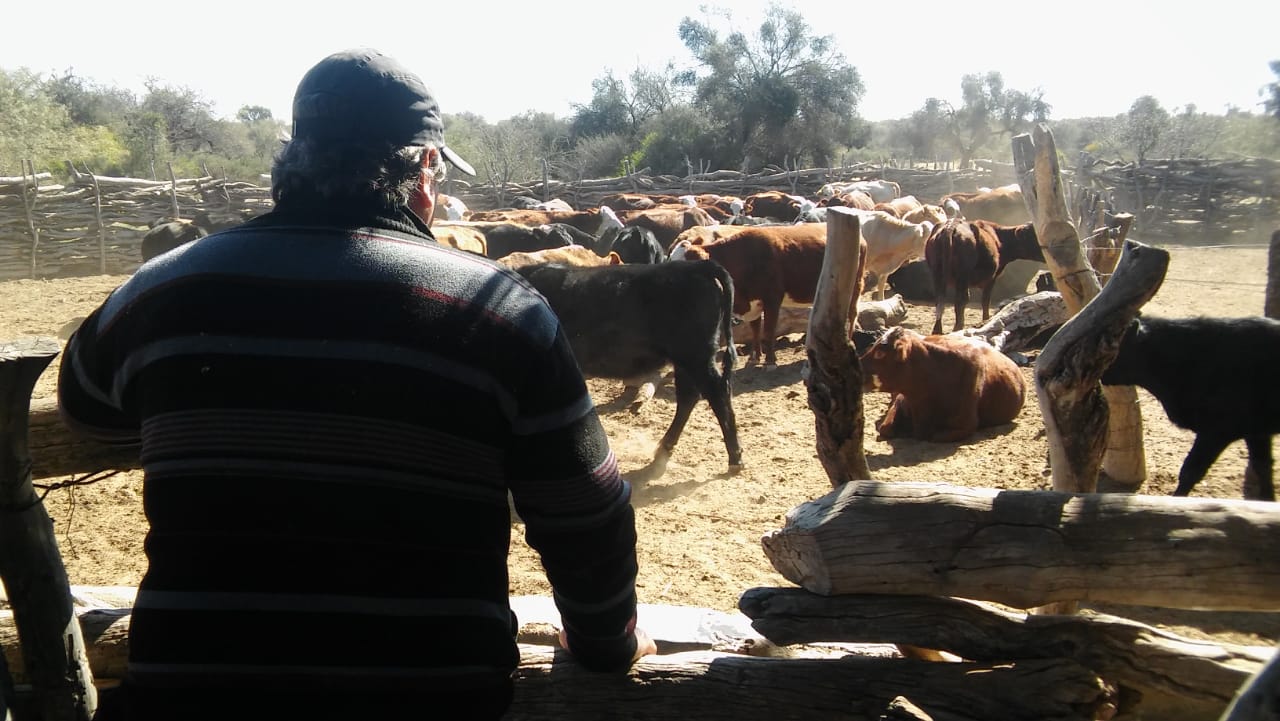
(499, 59)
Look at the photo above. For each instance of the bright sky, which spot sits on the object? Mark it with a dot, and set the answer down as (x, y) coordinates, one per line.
(500, 59)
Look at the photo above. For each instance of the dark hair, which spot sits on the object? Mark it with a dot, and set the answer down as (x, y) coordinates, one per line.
(338, 172)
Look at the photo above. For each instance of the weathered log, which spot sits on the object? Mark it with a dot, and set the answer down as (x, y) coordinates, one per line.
(714, 686)
(1117, 649)
(1014, 326)
(1259, 700)
(56, 451)
(1035, 158)
(1028, 548)
(30, 565)
(834, 380)
(1069, 369)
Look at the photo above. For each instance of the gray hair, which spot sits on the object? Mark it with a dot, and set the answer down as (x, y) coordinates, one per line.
(323, 172)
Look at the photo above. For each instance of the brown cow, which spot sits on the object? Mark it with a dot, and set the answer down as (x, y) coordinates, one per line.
(636, 201)
(568, 255)
(944, 388)
(932, 213)
(1003, 205)
(666, 223)
(770, 264)
(593, 220)
(774, 204)
(463, 237)
(972, 254)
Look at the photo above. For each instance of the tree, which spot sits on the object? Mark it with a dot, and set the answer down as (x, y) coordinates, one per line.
(987, 111)
(33, 126)
(920, 133)
(1144, 125)
(1271, 91)
(782, 92)
(188, 117)
(89, 103)
(250, 114)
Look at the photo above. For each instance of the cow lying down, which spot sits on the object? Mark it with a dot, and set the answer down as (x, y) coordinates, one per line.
(629, 321)
(1214, 376)
(944, 387)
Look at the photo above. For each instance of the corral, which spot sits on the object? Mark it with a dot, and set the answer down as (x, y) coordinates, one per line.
(700, 530)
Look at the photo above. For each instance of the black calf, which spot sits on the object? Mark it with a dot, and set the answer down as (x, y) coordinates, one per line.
(625, 321)
(1214, 376)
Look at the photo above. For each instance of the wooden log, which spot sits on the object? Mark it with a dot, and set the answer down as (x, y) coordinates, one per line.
(1036, 161)
(1259, 700)
(1013, 327)
(56, 451)
(1028, 548)
(30, 565)
(106, 639)
(1117, 649)
(834, 380)
(1071, 365)
(713, 686)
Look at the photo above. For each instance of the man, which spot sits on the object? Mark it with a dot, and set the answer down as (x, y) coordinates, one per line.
(332, 409)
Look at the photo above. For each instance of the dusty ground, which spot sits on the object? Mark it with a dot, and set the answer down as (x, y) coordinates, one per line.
(700, 528)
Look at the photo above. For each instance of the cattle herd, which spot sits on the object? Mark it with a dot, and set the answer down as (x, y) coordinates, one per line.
(646, 281)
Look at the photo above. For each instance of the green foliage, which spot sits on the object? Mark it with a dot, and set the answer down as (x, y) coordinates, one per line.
(781, 93)
(1271, 92)
(32, 125)
(596, 157)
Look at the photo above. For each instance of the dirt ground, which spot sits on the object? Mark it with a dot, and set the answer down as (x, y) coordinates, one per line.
(699, 527)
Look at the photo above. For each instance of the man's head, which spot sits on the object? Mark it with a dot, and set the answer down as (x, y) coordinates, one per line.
(359, 117)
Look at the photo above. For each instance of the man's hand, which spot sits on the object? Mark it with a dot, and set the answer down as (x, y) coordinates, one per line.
(645, 646)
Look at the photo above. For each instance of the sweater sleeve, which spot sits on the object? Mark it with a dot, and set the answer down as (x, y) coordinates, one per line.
(577, 511)
(89, 399)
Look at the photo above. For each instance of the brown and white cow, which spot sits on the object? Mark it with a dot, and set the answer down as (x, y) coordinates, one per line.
(463, 237)
(944, 387)
(855, 199)
(880, 190)
(771, 264)
(972, 254)
(1003, 205)
(932, 213)
(899, 207)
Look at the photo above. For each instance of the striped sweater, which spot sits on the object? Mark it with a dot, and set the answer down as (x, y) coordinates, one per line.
(332, 410)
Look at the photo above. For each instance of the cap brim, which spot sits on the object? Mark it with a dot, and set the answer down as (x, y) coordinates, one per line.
(456, 160)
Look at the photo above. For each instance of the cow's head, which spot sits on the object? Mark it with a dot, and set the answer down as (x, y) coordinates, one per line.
(884, 358)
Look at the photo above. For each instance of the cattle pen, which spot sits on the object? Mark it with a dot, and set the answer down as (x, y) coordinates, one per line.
(935, 571)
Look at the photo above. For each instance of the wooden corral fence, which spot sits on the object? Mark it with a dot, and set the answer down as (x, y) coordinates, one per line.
(1190, 200)
(94, 224)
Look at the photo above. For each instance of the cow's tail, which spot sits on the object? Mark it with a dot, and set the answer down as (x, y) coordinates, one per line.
(725, 280)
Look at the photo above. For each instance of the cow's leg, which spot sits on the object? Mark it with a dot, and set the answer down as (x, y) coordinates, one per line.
(1204, 451)
(961, 298)
(938, 302)
(987, 289)
(713, 386)
(1260, 467)
(896, 422)
(754, 356)
(770, 331)
(687, 396)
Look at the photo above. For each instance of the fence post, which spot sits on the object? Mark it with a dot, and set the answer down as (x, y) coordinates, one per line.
(29, 205)
(53, 648)
(173, 193)
(102, 231)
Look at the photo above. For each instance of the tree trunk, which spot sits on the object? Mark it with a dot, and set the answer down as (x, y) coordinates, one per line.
(1117, 649)
(1069, 368)
(30, 565)
(1036, 163)
(834, 379)
(1028, 548)
(1272, 307)
(711, 686)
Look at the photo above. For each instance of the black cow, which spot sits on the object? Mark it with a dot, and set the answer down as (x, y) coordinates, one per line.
(1214, 376)
(507, 238)
(169, 233)
(633, 244)
(626, 321)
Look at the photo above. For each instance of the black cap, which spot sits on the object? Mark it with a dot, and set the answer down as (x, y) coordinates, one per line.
(367, 96)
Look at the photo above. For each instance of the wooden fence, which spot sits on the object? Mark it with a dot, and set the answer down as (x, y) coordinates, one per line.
(93, 225)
